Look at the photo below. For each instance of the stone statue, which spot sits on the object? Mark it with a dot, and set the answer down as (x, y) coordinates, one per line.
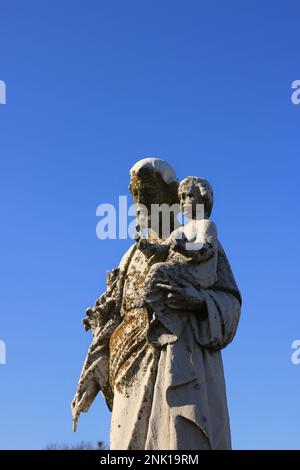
(158, 329)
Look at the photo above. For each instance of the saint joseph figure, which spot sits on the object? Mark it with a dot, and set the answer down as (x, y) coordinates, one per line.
(161, 375)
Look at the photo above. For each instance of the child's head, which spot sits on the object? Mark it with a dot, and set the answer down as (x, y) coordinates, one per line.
(192, 191)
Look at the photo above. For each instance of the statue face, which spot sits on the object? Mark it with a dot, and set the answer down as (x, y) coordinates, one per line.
(147, 188)
(190, 196)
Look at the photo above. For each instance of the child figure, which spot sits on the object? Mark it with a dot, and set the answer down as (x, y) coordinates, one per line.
(189, 255)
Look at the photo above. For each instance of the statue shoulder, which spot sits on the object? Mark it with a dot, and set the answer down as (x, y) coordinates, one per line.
(208, 227)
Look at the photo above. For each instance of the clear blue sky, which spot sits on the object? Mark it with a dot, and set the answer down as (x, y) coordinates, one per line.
(92, 87)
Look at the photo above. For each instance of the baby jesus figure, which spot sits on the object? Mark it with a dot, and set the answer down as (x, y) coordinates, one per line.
(189, 256)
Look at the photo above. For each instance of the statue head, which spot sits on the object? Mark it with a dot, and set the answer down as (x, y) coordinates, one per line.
(192, 191)
(152, 181)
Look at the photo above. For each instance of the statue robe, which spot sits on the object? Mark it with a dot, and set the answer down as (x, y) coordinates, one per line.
(166, 372)
(171, 392)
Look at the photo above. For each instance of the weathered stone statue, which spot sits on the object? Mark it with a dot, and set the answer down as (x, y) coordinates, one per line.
(168, 310)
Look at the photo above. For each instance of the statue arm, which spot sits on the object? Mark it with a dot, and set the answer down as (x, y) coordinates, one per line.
(204, 246)
(102, 319)
(214, 314)
(217, 325)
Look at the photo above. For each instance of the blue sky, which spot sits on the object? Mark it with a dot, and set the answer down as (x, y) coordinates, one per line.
(91, 88)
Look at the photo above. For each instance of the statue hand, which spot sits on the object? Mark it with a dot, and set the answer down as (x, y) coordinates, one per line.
(183, 298)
